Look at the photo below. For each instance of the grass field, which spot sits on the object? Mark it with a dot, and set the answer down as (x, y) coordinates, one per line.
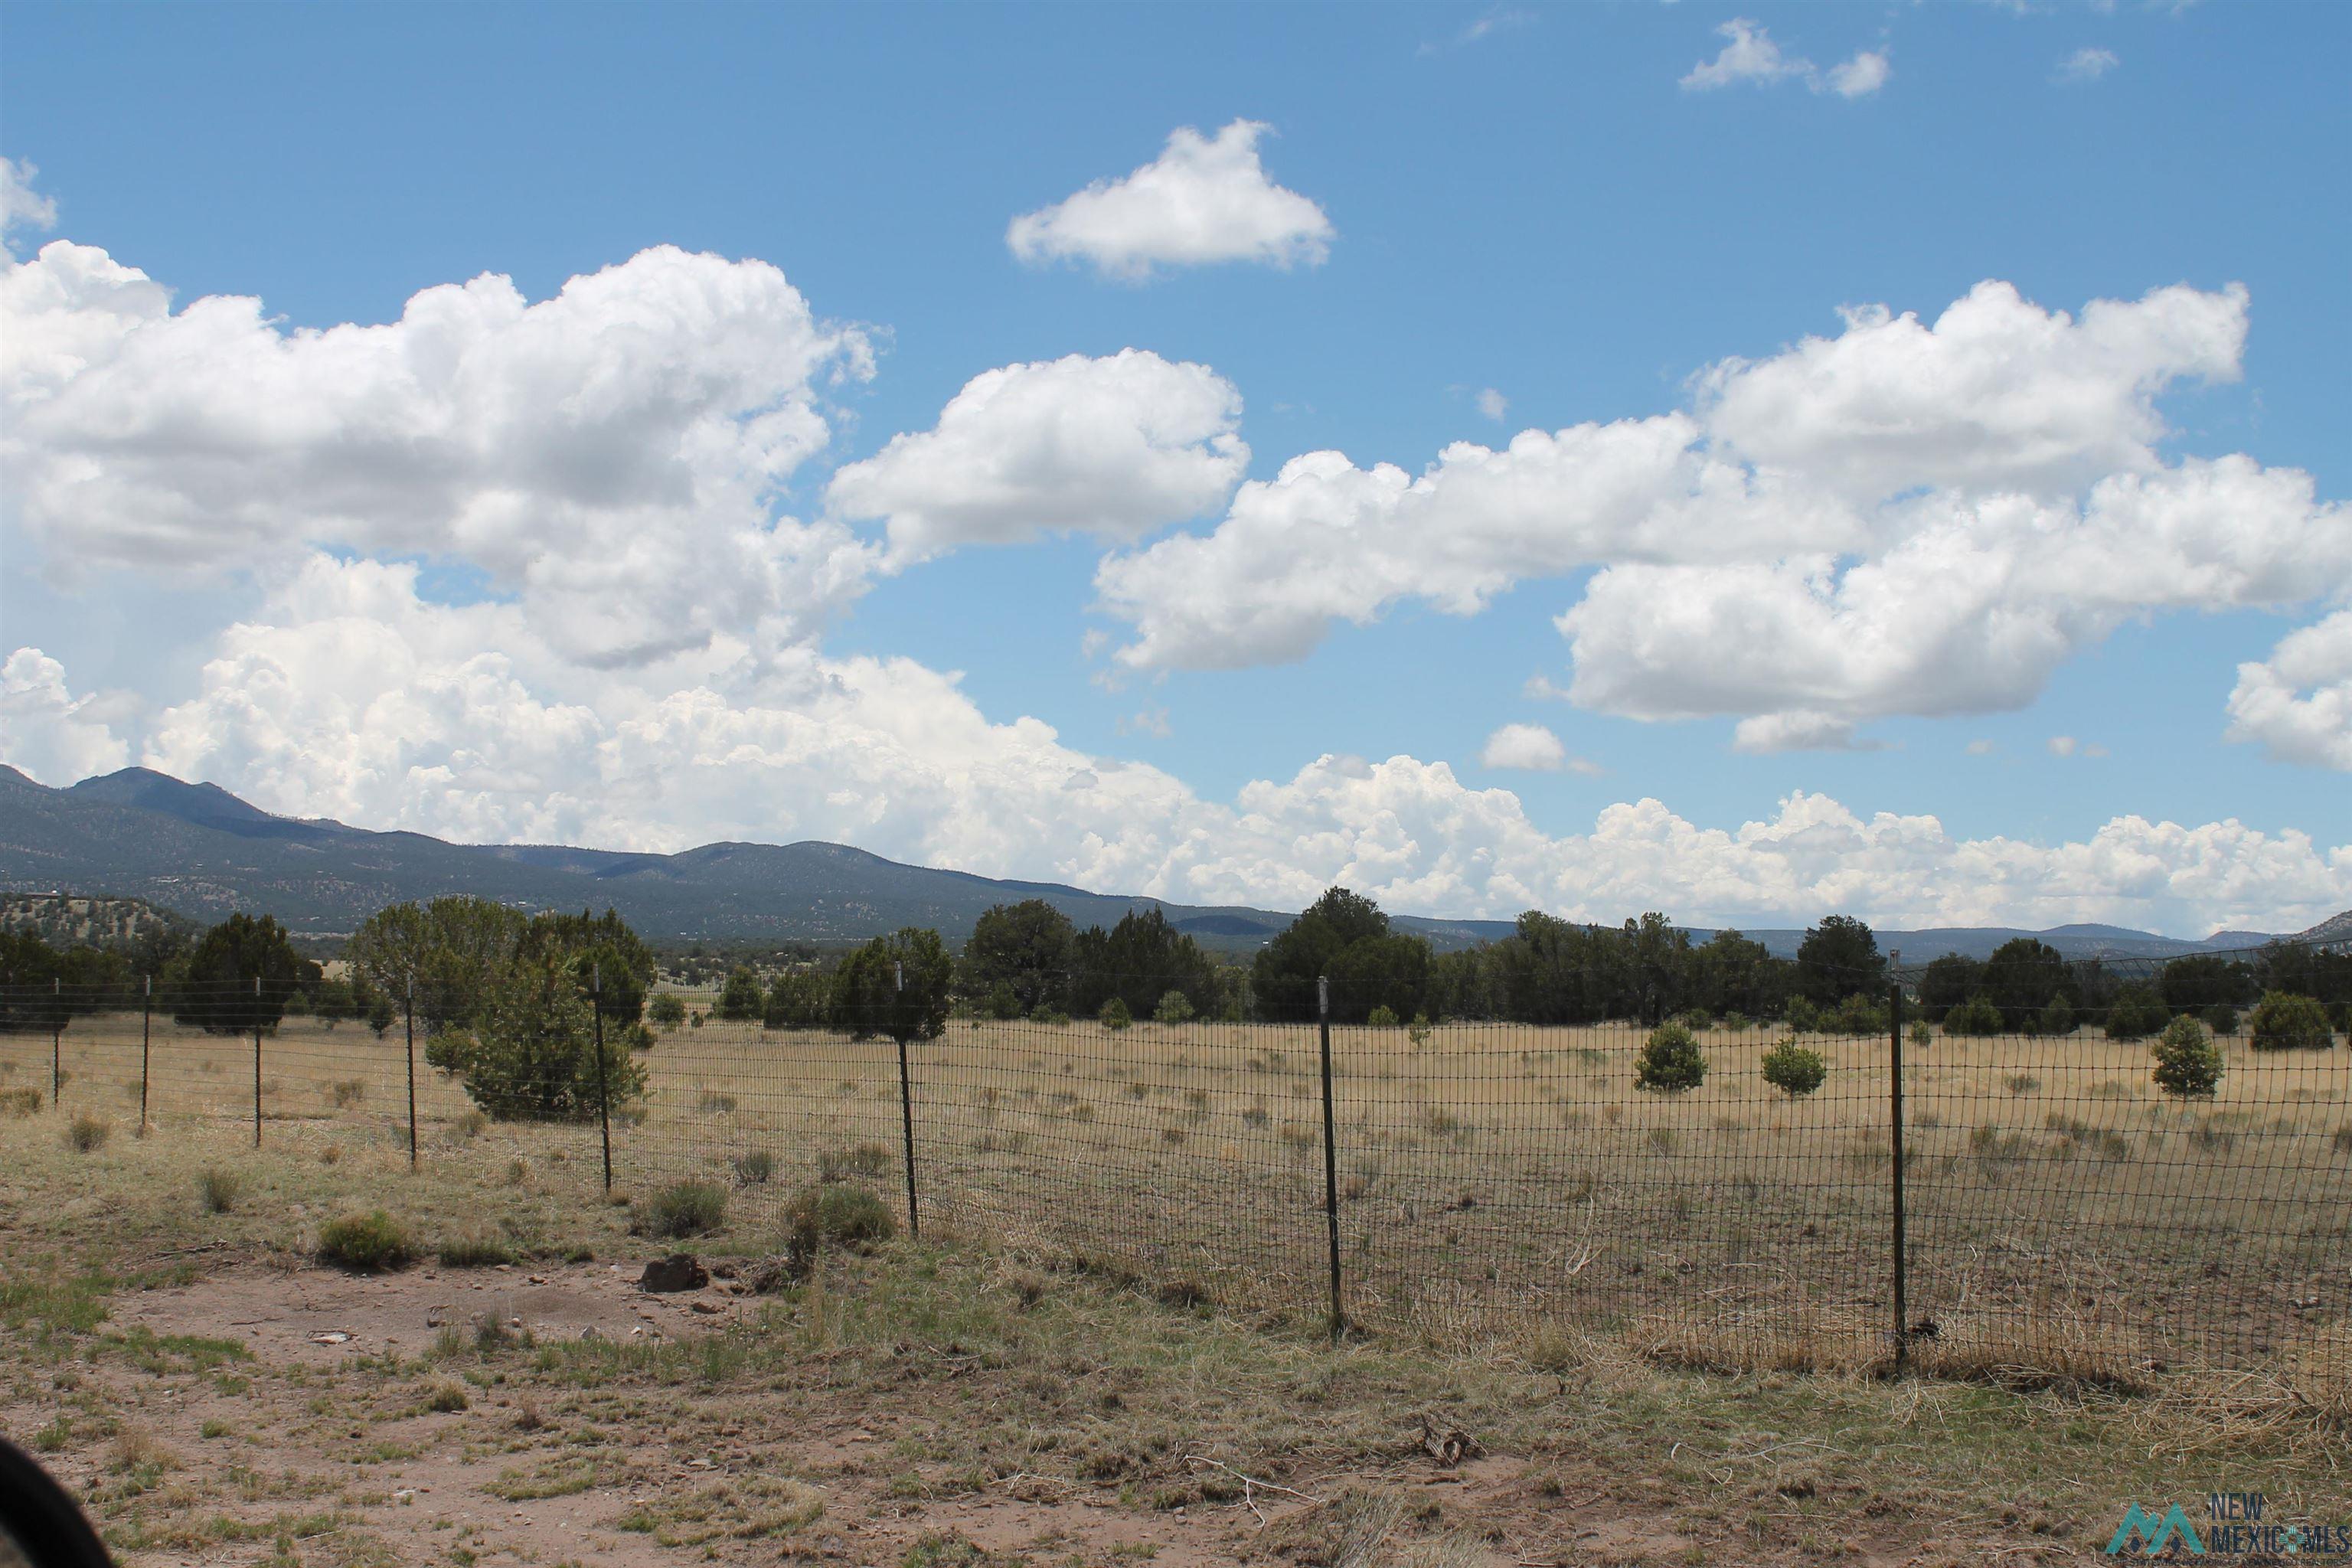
(1493, 1179)
(172, 1344)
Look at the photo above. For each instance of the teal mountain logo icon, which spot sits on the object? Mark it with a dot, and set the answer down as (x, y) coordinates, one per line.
(2152, 1534)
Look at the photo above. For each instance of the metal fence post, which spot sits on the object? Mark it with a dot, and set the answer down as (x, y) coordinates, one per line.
(408, 1011)
(906, 1105)
(1894, 1055)
(1330, 1155)
(57, 1043)
(256, 1061)
(146, 1038)
(604, 1089)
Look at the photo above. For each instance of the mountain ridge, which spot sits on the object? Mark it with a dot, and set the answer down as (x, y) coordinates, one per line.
(201, 851)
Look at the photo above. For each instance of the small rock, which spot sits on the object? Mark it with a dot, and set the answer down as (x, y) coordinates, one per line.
(706, 1308)
(678, 1271)
(539, 1279)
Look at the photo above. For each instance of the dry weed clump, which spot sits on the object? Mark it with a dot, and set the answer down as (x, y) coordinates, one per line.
(368, 1243)
(218, 1188)
(87, 1134)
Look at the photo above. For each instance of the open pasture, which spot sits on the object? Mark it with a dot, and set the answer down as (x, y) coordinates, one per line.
(1489, 1177)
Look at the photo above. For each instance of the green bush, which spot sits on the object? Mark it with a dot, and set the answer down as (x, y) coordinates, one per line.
(367, 1242)
(840, 1213)
(1114, 1015)
(668, 1009)
(741, 997)
(1053, 1016)
(532, 1056)
(1670, 1061)
(2057, 1019)
(2188, 1063)
(681, 1209)
(1857, 1014)
(1174, 1008)
(1976, 1016)
(754, 1167)
(1803, 1017)
(2137, 1012)
(1920, 1034)
(2221, 1018)
(2284, 1021)
(1794, 1071)
(1418, 1030)
(1381, 1017)
(1002, 1002)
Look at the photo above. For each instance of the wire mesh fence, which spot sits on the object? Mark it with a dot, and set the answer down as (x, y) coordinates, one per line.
(2061, 1198)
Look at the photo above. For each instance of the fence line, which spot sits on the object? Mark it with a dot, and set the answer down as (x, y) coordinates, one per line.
(1939, 1197)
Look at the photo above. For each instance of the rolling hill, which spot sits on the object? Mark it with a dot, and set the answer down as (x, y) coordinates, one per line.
(201, 852)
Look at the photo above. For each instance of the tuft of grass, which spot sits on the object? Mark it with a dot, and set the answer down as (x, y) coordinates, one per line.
(681, 1209)
(754, 1167)
(348, 1092)
(218, 1188)
(447, 1397)
(474, 1249)
(839, 1214)
(367, 1242)
(20, 1102)
(88, 1134)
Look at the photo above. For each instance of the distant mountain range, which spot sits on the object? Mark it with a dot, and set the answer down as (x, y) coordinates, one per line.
(199, 851)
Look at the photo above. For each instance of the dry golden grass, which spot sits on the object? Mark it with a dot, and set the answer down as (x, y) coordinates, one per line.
(1491, 1176)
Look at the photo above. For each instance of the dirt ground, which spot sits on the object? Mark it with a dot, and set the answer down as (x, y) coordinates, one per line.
(217, 1394)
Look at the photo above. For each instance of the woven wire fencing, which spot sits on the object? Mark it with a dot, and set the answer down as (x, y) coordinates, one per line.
(2054, 1207)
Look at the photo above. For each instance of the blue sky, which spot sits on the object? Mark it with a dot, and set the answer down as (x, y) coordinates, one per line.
(1548, 204)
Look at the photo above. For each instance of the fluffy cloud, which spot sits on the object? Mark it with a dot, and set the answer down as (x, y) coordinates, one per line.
(1116, 447)
(1528, 746)
(2086, 65)
(1750, 56)
(2297, 704)
(1203, 200)
(1971, 612)
(21, 206)
(1324, 541)
(1493, 405)
(611, 454)
(1859, 76)
(347, 695)
(1998, 394)
(48, 731)
(1907, 517)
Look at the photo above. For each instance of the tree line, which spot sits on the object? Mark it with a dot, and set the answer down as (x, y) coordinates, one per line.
(517, 1004)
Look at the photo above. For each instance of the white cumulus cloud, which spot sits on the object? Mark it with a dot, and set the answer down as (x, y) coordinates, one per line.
(610, 453)
(21, 206)
(2297, 703)
(1860, 77)
(1526, 746)
(1205, 199)
(46, 731)
(1115, 447)
(1748, 55)
(347, 695)
(1909, 518)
